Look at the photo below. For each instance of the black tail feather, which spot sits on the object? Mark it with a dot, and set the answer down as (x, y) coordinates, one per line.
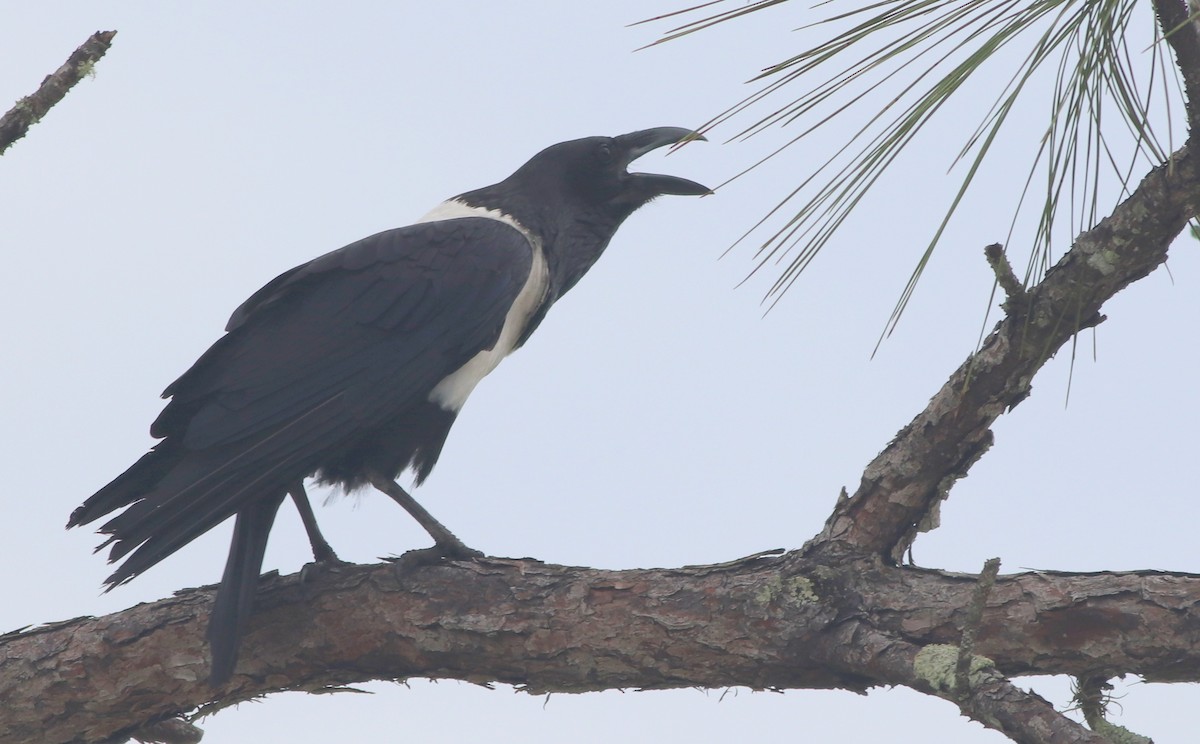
(128, 486)
(235, 596)
(174, 494)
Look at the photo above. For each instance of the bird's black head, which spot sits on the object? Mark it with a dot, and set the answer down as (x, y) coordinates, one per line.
(574, 195)
(591, 173)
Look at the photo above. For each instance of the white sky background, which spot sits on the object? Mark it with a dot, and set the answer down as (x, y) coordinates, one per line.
(655, 419)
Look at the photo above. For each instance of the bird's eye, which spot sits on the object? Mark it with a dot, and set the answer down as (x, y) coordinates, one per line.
(604, 153)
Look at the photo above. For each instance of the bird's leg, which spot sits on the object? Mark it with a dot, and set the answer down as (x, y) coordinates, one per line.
(446, 544)
(322, 551)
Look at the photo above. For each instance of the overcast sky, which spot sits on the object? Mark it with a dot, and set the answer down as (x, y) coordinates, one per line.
(655, 419)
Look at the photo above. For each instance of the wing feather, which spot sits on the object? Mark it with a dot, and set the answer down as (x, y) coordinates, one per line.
(319, 356)
(390, 315)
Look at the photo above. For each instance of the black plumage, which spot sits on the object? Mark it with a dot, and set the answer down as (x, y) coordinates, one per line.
(352, 367)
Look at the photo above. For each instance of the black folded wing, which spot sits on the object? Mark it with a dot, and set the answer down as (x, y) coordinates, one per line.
(320, 357)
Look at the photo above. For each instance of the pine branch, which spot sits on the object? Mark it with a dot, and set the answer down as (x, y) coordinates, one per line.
(30, 109)
(902, 487)
(992, 700)
(792, 622)
(1181, 33)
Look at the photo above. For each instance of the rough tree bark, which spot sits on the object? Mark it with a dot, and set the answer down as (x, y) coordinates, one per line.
(838, 613)
(30, 109)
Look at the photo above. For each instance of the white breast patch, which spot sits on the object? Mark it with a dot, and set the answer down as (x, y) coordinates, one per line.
(451, 393)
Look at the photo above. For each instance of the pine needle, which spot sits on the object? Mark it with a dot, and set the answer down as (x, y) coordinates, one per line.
(918, 56)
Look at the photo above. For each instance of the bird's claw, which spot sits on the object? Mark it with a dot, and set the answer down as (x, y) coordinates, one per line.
(322, 553)
(439, 553)
(332, 563)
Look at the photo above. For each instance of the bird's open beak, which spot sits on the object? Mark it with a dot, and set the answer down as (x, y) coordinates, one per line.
(637, 144)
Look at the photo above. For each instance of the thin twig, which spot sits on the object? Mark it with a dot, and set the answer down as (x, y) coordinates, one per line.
(30, 109)
(1017, 299)
(966, 646)
(993, 700)
(1092, 696)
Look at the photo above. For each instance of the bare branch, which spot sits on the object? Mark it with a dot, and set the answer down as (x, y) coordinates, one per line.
(902, 486)
(30, 109)
(1175, 22)
(991, 699)
(766, 623)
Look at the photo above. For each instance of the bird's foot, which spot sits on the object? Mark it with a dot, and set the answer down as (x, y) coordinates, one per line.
(444, 551)
(326, 561)
(323, 553)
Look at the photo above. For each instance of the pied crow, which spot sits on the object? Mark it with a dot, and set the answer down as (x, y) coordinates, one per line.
(351, 368)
